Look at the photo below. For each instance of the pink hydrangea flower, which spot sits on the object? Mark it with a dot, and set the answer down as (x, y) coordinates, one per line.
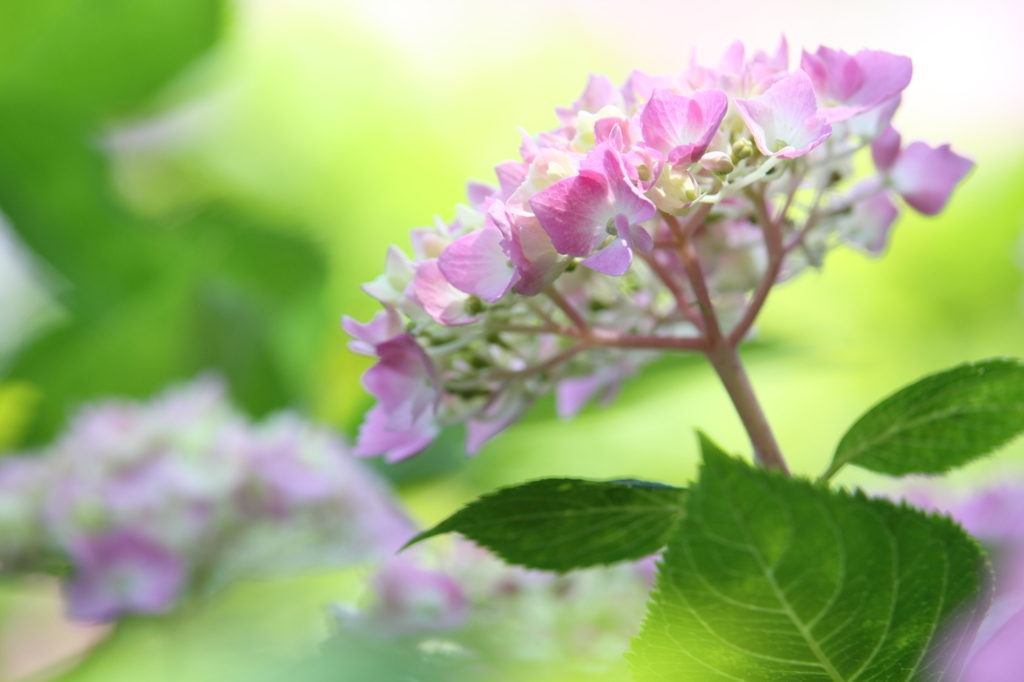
(785, 121)
(476, 264)
(580, 212)
(652, 215)
(924, 176)
(195, 498)
(849, 85)
(681, 128)
(122, 573)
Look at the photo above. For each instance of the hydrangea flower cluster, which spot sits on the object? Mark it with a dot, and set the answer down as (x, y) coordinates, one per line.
(473, 601)
(994, 513)
(147, 503)
(655, 218)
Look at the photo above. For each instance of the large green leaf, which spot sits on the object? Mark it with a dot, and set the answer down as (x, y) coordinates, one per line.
(769, 578)
(943, 421)
(565, 523)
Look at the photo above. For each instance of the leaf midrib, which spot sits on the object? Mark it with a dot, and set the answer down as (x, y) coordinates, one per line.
(769, 575)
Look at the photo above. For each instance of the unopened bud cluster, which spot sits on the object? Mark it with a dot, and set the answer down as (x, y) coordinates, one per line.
(656, 217)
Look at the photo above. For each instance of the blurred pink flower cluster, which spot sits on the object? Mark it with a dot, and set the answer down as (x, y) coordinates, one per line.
(147, 503)
(479, 603)
(654, 212)
(993, 513)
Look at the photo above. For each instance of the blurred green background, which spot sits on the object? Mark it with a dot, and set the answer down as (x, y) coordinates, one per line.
(193, 184)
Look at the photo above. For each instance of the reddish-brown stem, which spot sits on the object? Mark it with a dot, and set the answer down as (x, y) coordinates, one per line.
(568, 308)
(776, 254)
(727, 364)
(694, 273)
(652, 342)
(670, 282)
(666, 244)
(721, 351)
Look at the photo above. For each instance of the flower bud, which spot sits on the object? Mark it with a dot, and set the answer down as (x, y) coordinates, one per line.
(717, 162)
(474, 305)
(741, 149)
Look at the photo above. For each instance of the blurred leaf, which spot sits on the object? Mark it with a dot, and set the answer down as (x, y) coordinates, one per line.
(773, 578)
(562, 524)
(100, 56)
(204, 309)
(941, 422)
(148, 302)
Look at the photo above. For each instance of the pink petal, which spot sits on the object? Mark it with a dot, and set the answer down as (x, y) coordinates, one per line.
(613, 259)
(599, 93)
(476, 264)
(510, 174)
(570, 212)
(1001, 659)
(404, 381)
(732, 60)
(886, 149)
(478, 193)
(528, 149)
(575, 211)
(642, 240)
(784, 121)
(385, 325)
(873, 122)
(926, 176)
(640, 86)
(537, 262)
(851, 85)
(681, 127)
(869, 223)
(502, 413)
(439, 298)
(572, 394)
(376, 437)
(623, 197)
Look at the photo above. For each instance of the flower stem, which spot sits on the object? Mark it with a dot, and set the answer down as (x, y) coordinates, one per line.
(726, 361)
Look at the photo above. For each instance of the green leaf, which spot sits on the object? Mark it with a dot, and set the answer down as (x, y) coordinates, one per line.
(941, 422)
(770, 578)
(561, 524)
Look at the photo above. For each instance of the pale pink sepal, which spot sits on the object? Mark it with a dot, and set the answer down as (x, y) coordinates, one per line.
(886, 148)
(572, 394)
(575, 211)
(404, 381)
(925, 176)
(442, 301)
(477, 264)
(615, 258)
(682, 127)
(537, 262)
(385, 325)
(870, 222)
(377, 438)
(504, 411)
(847, 85)
(784, 121)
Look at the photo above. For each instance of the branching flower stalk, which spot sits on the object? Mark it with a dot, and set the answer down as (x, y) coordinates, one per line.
(656, 218)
